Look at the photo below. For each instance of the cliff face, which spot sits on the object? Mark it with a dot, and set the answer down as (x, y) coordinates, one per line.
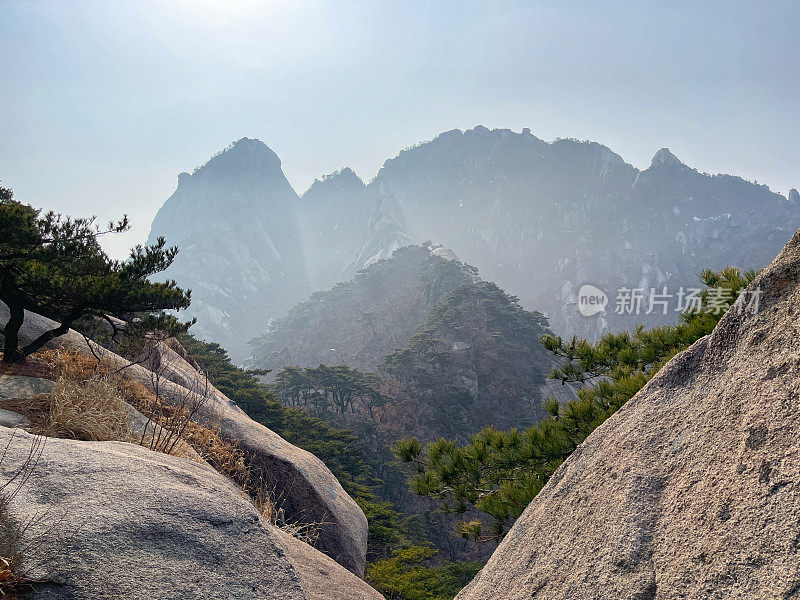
(691, 489)
(330, 211)
(234, 220)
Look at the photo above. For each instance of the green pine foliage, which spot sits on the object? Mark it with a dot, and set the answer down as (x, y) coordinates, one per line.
(410, 575)
(475, 362)
(54, 266)
(329, 388)
(500, 472)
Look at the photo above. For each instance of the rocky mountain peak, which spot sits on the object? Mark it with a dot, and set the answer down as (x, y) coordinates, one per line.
(794, 196)
(234, 219)
(665, 157)
(245, 153)
(441, 251)
(342, 181)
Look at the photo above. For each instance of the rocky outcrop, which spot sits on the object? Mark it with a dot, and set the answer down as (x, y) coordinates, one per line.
(692, 490)
(14, 386)
(308, 490)
(234, 220)
(109, 520)
(329, 212)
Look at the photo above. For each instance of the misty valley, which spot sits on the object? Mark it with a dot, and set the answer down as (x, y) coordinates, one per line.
(495, 364)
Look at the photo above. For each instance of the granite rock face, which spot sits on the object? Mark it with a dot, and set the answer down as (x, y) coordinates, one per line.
(692, 490)
(113, 520)
(234, 220)
(308, 489)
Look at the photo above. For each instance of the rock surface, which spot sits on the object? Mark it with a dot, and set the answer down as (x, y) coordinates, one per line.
(692, 490)
(308, 490)
(321, 577)
(15, 386)
(118, 521)
(9, 418)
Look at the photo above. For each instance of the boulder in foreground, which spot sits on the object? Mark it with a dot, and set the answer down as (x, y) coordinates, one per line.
(692, 490)
(112, 520)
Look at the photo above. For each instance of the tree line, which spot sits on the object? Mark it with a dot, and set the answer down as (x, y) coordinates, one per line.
(324, 389)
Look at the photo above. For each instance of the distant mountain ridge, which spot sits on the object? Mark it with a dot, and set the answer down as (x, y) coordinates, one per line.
(538, 218)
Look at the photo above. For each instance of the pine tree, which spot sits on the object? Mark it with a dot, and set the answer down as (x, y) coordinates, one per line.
(54, 266)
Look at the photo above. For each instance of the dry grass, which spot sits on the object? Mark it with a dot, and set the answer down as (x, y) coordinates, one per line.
(88, 405)
(268, 505)
(11, 574)
(81, 410)
(86, 410)
(16, 554)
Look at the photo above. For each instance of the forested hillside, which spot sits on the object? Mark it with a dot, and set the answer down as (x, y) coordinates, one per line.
(360, 321)
(449, 353)
(476, 361)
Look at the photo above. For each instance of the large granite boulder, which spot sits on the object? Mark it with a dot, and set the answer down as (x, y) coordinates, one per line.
(322, 577)
(111, 520)
(307, 488)
(692, 490)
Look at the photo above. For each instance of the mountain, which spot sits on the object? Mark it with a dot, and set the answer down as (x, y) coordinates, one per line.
(359, 322)
(455, 353)
(540, 219)
(234, 220)
(691, 489)
(329, 212)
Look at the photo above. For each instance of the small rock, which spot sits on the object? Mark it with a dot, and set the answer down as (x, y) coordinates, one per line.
(11, 419)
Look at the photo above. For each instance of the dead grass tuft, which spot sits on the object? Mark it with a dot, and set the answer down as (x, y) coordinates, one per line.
(86, 410)
(88, 404)
(17, 557)
(268, 505)
(12, 577)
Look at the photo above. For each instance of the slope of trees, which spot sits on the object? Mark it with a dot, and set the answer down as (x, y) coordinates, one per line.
(329, 388)
(476, 361)
(408, 575)
(360, 321)
(500, 472)
(401, 562)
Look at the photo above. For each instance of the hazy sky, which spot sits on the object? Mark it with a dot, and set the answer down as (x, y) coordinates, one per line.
(104, 103)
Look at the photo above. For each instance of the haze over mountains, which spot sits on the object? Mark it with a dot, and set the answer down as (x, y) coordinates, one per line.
(537, 218)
